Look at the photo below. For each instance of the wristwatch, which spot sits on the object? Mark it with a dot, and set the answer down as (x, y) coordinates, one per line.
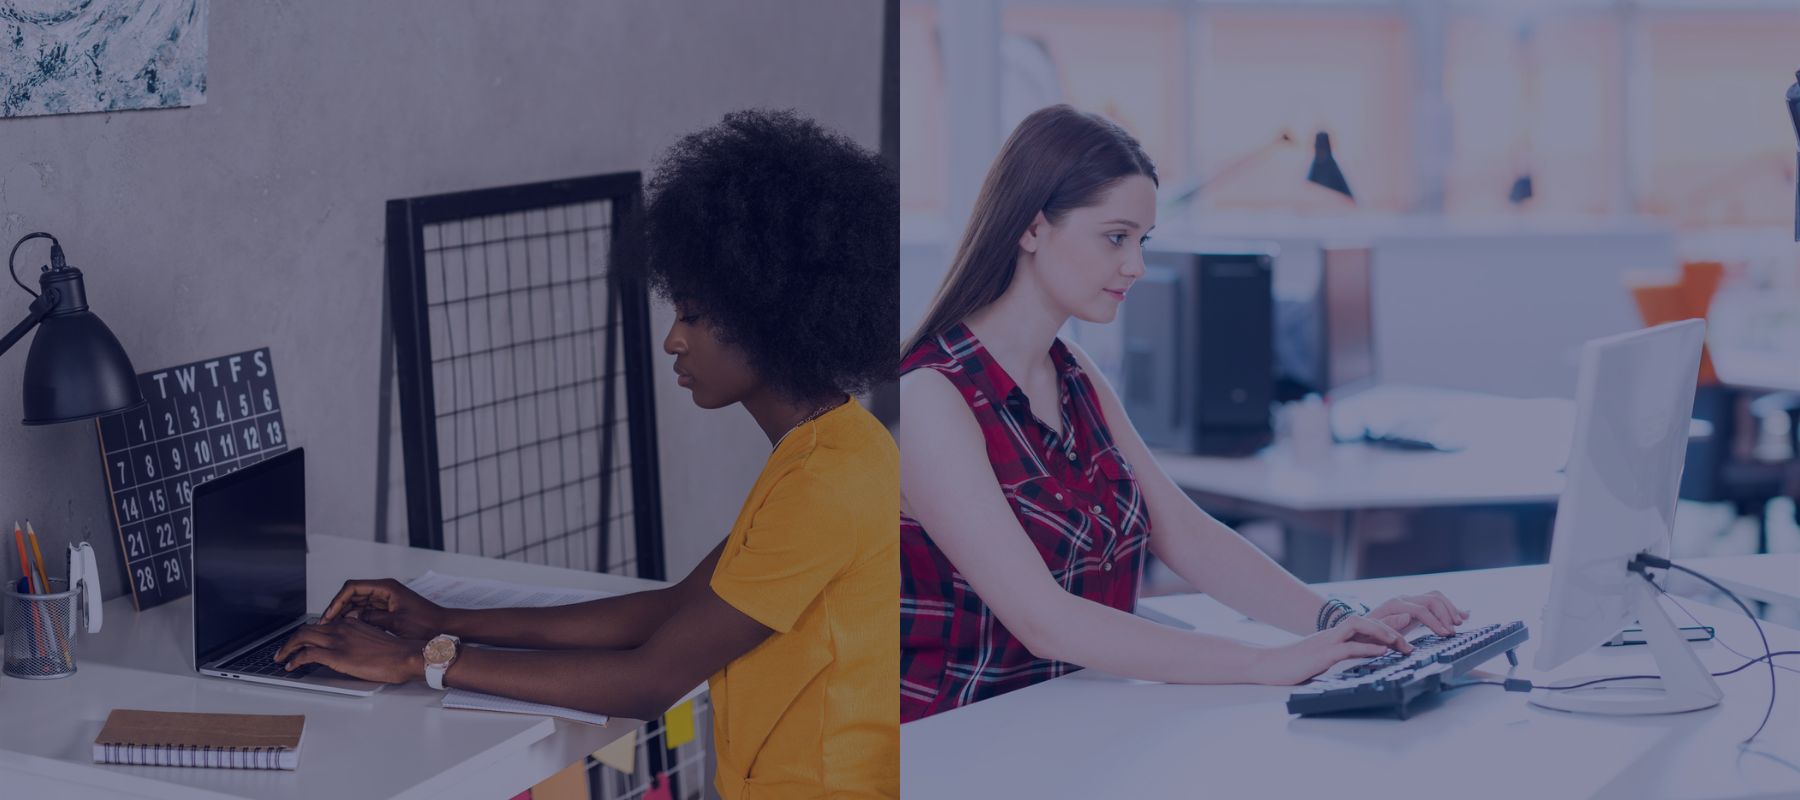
(440, 653)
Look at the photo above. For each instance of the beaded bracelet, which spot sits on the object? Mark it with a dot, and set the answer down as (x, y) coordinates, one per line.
(1335, 611)
(1331, 613)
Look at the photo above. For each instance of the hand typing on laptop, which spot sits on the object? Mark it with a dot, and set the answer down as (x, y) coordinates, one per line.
(355, 648)
(390, 605)
(373, 629)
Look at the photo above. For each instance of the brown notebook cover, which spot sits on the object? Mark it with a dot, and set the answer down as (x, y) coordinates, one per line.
(175, 738)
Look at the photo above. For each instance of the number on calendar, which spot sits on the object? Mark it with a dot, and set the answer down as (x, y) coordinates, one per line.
(150, 466)
(268, 404)
(172, 570)
(146, 579)
(128, 508)
(170, 419)
(158, 503)
(274, 429)
(187, 528)
(203, 452)
(226, 448)
(194, 411)
(136, 542)
(219, 410)
(165, 535)
(250, 442)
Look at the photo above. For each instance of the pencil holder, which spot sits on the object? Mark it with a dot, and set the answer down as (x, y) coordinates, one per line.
(40, 632)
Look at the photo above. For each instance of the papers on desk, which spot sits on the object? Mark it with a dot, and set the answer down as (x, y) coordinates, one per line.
(452, 591)
(478, 701)
(1534, 433)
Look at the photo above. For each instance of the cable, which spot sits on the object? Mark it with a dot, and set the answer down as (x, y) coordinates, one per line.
(1523, 685)
(56, 257)
(1716, 637)
(1644, 560)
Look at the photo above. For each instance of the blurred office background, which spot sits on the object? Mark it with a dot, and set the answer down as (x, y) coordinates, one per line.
(1523, 176)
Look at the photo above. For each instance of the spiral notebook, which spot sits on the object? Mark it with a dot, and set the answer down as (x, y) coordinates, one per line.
(181, 739)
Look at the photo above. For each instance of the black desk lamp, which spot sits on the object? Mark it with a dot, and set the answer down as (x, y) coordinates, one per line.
(76, 369)
(1325, 171)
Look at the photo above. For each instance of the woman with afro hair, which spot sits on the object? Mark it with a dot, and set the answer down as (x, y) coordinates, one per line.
(778, 244)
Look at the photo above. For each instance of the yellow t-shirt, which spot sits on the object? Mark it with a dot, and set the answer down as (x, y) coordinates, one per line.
(814, 711)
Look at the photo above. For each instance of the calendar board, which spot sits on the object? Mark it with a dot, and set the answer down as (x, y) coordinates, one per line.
(202, 420)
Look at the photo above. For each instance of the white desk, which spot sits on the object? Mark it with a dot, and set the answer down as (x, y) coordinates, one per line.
(1091, 736)
(397, 744)
(1772, 579)
(1512, 455)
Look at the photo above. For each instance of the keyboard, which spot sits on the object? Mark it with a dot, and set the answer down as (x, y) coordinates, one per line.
(261, 661)
(1393, 681)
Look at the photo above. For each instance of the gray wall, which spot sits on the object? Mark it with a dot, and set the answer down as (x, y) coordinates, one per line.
(257, 218)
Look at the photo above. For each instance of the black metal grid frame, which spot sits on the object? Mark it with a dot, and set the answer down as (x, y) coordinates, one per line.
(407, 221)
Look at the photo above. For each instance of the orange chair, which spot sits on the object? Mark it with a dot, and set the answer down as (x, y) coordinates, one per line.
(1719, 467)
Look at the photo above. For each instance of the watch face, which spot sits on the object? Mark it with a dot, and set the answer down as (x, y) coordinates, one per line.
(439, 651)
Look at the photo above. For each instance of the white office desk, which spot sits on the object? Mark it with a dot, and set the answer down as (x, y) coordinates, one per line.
(1772, 579)
(1512, 455)
(397, 744)
(1089, 736)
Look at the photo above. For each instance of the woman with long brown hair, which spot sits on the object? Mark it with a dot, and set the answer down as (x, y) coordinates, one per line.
(1028, 501)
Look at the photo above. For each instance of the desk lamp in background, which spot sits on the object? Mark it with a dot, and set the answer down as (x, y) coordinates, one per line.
(76, 369)
(1323, 171)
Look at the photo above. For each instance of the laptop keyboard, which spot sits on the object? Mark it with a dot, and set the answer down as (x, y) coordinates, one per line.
(261, 661)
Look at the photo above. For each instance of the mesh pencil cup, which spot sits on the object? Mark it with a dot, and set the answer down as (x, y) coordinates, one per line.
(40, 631)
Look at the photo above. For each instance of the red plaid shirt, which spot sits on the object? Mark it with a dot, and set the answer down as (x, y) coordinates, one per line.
(1074, 496)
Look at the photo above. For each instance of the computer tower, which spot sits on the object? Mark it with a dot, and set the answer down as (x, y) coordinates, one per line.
(1199, 351)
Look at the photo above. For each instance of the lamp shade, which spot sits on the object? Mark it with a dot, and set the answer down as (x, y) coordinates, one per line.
(1325, 171)
(76, 369)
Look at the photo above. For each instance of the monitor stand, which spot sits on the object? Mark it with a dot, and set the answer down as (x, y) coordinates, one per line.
(1685, 685)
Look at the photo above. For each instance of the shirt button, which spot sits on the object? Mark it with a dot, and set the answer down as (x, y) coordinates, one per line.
(1059, 496)
(1071, 456)
(1107, 567)
(1098, 510)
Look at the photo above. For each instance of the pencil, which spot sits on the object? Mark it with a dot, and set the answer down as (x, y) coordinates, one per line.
(25, 566)
(24, 560)
(56, 631)
(37, 556)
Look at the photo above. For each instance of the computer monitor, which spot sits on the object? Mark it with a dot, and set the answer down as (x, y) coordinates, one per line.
(1347, 319)
(1633, 401)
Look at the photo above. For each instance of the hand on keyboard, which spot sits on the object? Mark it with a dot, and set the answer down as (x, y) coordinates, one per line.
(1432, 610)
(1355, 637)
(1393, 681)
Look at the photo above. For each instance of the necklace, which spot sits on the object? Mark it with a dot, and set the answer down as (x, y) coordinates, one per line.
(818, 412)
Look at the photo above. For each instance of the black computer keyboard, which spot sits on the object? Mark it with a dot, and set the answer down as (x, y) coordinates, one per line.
(261, 661)
(1394, 681)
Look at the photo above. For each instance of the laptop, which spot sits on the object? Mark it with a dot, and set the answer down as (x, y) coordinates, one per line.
(250, 576)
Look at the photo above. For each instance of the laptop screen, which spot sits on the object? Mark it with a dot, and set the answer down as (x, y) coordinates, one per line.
(249, 554)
